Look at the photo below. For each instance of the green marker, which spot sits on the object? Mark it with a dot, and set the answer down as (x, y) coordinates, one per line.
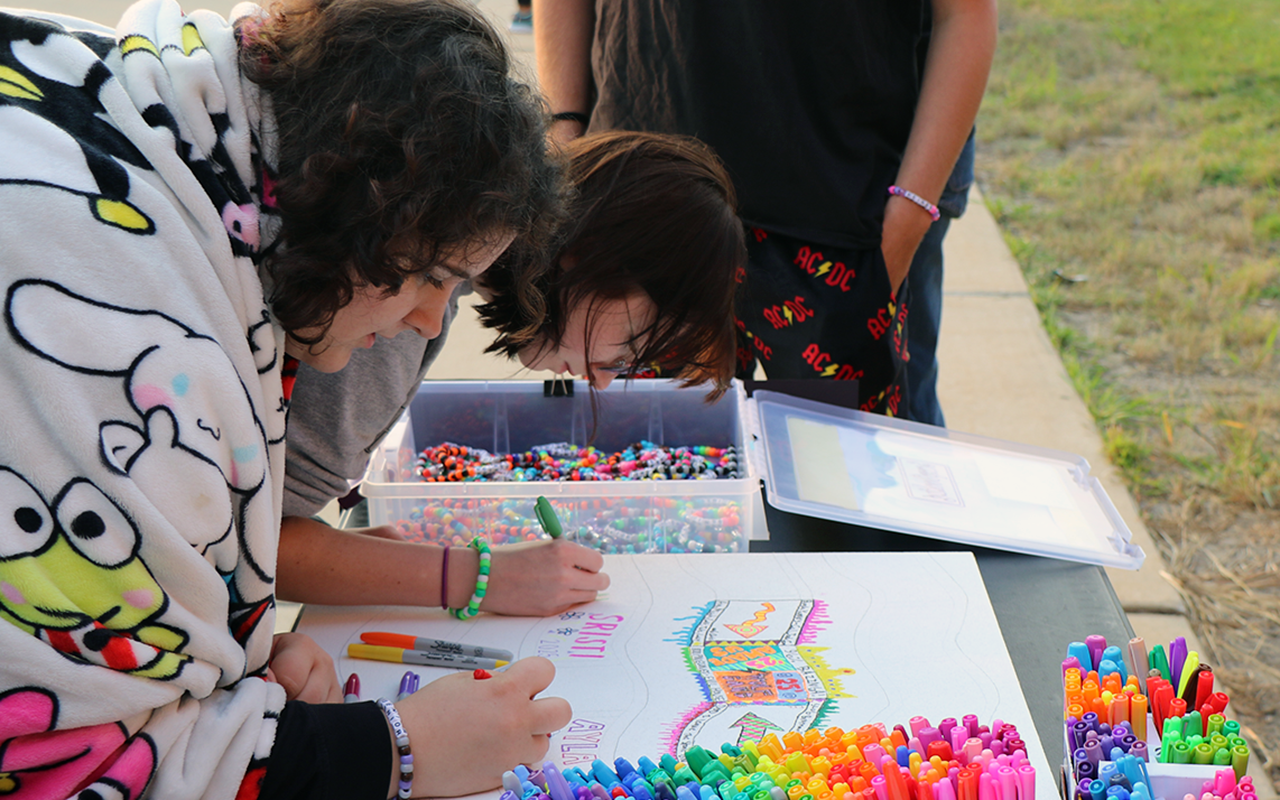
(547, 517)
(1158, 660)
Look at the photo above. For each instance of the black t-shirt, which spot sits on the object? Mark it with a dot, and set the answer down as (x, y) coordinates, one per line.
(808, 102)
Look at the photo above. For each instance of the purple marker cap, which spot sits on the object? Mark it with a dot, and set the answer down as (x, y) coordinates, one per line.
(557, 786)
(1094, 750)
(1138, 750)
(929, 735)
(1177, 657)
(1078, 733)
(1096, 645)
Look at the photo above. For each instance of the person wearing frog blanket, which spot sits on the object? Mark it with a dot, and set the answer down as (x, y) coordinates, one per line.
(186, 207)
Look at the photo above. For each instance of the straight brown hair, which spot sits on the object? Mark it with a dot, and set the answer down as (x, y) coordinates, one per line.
(650, 212)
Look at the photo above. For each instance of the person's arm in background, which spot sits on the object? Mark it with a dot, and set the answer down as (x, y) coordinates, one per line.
(955, 76)
(562, 47)
(320, 564)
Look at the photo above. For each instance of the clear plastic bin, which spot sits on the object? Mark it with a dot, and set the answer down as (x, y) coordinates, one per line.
(815, 459)
(643, 516)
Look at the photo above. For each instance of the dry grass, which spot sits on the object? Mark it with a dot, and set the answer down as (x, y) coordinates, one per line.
(1134, 150)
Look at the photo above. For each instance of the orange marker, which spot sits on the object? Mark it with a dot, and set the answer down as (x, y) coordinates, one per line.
(1138, 716)
(1119, 709)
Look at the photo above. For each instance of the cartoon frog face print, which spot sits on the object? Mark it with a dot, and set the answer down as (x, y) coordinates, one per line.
(70, 574)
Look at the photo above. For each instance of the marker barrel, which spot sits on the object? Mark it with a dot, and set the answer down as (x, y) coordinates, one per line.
(401, 656)
(407, 642)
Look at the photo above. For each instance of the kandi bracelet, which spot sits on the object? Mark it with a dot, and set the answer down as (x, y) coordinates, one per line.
(472, 608)
(402, 747)
(934, 213)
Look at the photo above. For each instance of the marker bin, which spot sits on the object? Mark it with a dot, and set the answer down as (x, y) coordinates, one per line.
(641, 516)
(815, 459)
(1168, 781)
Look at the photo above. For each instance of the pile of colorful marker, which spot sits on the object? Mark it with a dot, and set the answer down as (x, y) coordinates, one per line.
(568, 462)
(1108, 762)
(954, 761)
(1102, 688)
(648, 524)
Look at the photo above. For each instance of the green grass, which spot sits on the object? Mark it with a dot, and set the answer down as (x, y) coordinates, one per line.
(1137, 145)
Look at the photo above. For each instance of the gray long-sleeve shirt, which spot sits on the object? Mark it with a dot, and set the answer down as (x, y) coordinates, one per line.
(336, 419)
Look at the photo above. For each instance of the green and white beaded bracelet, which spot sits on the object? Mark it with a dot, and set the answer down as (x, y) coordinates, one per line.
(472, 608)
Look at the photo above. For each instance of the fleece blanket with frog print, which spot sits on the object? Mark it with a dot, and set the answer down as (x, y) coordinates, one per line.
(141, 411)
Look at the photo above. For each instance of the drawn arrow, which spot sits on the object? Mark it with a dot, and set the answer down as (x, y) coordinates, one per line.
(753, 727)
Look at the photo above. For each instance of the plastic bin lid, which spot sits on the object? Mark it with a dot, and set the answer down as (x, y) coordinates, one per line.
(835, 463)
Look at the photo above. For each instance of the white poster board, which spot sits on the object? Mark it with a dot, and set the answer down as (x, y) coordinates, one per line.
(705, 649)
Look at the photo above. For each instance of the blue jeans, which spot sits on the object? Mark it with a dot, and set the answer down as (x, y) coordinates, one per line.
(924, 297)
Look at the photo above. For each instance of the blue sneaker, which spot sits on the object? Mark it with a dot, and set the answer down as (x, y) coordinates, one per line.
(522, 22)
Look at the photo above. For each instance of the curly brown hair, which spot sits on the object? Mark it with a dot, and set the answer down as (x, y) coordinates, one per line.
(649, 211)
(400, 135)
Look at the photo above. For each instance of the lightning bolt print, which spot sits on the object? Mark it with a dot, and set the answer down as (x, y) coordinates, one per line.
(824, 269)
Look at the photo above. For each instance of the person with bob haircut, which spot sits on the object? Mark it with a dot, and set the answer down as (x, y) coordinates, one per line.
(188, 209)
(644, 272)
(641, 276)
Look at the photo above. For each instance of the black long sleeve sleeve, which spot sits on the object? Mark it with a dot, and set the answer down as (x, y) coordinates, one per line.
(334, 751)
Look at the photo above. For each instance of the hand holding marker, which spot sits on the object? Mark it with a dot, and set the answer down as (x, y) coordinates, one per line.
(405, 649)
(547, 517)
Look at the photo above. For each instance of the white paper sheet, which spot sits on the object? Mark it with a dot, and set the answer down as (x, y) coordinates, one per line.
(705, 649)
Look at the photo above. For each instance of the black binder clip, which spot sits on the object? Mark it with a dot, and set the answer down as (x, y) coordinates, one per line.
(558, 387)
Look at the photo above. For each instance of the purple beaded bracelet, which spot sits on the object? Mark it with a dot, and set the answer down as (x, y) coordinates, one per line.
(934, 213)
(402, 745)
